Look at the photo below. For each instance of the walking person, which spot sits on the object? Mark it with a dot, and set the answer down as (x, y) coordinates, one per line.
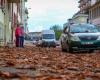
(17, 35)
(22, 37)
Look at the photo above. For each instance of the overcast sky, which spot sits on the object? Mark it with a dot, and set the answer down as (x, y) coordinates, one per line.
(45, 13)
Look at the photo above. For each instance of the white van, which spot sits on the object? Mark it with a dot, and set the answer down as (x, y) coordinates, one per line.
(48, 38)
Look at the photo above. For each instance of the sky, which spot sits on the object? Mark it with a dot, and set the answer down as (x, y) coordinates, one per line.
(45, 13)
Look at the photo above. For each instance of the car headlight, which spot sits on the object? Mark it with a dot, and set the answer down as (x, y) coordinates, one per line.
(98, 38)
(54, 41)
(75, 38)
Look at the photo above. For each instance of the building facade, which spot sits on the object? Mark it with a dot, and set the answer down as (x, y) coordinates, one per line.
(92, 9)
(94, 13)
(24, 15)
(26, 21)
(2, 24)
(80, 18)
(84, 5)
(10, 15)
(77, 19)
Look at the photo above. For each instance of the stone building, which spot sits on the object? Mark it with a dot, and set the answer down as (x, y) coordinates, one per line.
(92, 8)
(80, 18)
(10, 15)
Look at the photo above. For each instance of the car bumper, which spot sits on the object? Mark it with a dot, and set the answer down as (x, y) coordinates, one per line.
(46, 44)
(93, 45)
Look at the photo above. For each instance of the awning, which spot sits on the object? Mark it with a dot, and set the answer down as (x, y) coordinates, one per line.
(13, 1)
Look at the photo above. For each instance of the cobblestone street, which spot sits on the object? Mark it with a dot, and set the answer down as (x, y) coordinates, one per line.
(49, 39)
(36, 63)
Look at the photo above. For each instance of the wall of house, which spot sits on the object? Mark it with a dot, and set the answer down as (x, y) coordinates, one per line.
(96, 21)
(80, 18)
(23, 15)
(1, 28)
(14, 19)
(6, 20)
(7, 25)
(93, 2)
(26, 22)
(94, 14)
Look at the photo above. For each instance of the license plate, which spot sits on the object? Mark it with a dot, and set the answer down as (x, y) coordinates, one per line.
(87, 43)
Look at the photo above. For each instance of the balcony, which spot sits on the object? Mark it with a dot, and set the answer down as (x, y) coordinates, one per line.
(13, 1)
(26, 11)
(97, 1)
(80, 1)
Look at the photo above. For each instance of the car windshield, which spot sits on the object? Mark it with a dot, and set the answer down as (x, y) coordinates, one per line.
(48, 36)
(83, 28)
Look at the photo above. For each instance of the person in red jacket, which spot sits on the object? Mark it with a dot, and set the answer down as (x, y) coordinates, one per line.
(17, 35)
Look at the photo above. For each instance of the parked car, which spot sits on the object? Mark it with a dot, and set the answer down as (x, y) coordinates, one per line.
(38, 43)
(48, 38)
(57, 43)
(34, 42)
(80, 37)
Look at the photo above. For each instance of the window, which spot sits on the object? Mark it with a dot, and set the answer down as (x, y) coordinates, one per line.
(93, 13)
(99, 11)
(2, 2)
(89, 14)
(96, 12)
(1, 33)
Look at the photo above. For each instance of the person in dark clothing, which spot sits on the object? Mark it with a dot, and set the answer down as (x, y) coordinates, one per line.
(22, 37)
(17, 35)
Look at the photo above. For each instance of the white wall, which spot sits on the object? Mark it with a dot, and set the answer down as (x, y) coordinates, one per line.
(23, 15)
(1, 27)
(1, 16)
(80, 19)
(15, 8)
(93, 2)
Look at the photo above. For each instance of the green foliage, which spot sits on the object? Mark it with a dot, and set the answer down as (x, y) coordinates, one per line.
(57, 30)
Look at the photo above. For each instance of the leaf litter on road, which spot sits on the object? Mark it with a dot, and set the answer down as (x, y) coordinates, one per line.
(36, 63)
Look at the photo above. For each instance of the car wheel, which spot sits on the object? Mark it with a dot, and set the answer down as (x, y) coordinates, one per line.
(69, 49)
(62, 48)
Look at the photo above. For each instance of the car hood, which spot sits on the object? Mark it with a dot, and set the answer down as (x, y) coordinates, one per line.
(86, 34)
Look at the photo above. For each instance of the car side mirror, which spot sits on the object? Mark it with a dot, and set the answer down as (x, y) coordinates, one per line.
(65, 32)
